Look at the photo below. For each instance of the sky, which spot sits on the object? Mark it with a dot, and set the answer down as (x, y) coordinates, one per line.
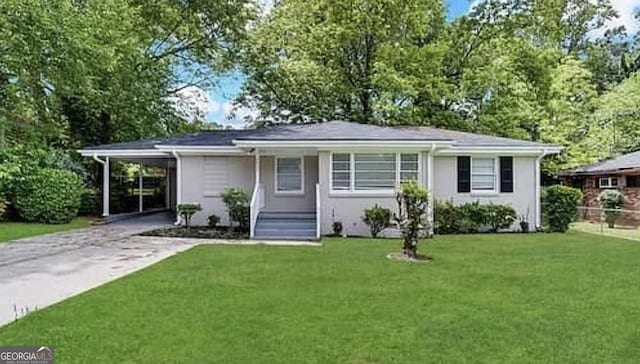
(217, 102)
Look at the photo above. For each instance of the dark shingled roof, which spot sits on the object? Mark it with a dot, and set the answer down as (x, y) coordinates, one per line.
(333, 130)
(625, 161)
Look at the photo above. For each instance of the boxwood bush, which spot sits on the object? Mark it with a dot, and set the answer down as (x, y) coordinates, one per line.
(49, 196)
(560, 207)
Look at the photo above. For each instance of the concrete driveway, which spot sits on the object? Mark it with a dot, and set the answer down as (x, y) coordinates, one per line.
(39, 271)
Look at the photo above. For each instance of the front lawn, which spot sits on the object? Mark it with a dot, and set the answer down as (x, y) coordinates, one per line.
(18, 230)
(485, 298)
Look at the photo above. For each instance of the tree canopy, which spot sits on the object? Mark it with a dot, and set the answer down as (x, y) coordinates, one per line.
(529, 69)
(76, 73)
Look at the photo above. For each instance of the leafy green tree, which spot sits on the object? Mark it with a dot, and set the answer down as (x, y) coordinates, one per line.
(363, 61)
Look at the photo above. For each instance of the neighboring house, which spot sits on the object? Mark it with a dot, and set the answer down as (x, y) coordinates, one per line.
(303, 177)
(621, 173)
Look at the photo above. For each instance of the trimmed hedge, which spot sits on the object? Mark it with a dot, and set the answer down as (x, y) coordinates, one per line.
(49, 196)
(560, 207)
(472, 217)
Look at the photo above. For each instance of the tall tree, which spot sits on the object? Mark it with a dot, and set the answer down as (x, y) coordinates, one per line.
(70, 69)
(361, 60)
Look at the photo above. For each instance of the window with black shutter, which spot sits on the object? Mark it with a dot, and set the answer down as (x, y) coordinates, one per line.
(506, 174)
(464, 174)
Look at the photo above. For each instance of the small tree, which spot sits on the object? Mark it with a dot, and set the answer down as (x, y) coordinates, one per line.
(186, 211)
(560, 207)
(378, 218)
(413, 202)
(237, 202)
(611, 201)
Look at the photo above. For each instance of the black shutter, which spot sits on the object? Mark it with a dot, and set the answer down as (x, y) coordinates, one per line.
(633, 181)
(506, 174)
(464, 174)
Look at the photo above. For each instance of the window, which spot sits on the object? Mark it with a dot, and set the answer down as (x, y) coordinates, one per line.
(483, 174)
(408, 167)
(341, 171)
(372, 171)
(608, 182)
(289, 176)
(633, 181)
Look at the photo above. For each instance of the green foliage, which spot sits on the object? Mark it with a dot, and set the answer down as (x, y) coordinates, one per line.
(411, 218)
(471, 217)
(74, 73)
(186, 211)
(560, 207)
(364, 61)
(611, 201)
(499, 216)
(378, 218)
(49, 196)
(213, 220)
(237, 202)
(3, 207)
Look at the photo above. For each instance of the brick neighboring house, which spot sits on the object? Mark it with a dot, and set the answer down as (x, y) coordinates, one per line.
(621, 173)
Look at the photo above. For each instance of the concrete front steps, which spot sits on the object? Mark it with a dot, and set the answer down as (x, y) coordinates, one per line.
(286, 226)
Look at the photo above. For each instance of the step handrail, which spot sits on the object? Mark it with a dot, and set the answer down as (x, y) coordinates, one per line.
(257, 204)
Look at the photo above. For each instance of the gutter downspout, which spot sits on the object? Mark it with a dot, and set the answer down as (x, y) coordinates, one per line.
(178, 185)
(538, 188)
(430, 170)
(105, 183)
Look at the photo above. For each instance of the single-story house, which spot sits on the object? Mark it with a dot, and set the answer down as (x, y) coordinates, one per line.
(303, 177)
(621, 173)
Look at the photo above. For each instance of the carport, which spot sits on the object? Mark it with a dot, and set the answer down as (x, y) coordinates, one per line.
(141, 157)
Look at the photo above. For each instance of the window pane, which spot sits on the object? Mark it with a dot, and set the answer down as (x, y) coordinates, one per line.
(408, 167)
(375, 171)
(483, 174)
(341, 176)
(289, 174)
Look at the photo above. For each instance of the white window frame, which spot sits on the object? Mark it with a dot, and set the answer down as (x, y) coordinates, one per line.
(496, 176)
(352, 176)
(608, 184)
(275, 174)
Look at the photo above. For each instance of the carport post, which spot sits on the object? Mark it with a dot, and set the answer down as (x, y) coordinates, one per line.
(105, 184)
(140, 185)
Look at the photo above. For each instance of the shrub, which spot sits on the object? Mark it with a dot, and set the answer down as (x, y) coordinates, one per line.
(560, 206)
(213, 221)
(49, 196)
(499, 216)
(186, 211)
(337, 228)
(612, 202)
(378, 218)
(413, 202)
(90, 202)
(471, 217)
(446, 218)
(237, 202)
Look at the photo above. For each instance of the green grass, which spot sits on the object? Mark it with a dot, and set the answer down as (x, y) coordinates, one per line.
(509, 298)
(623, 232)
(18, 230)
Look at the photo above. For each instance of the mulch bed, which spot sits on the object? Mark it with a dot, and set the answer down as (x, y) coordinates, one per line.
(200, 232)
